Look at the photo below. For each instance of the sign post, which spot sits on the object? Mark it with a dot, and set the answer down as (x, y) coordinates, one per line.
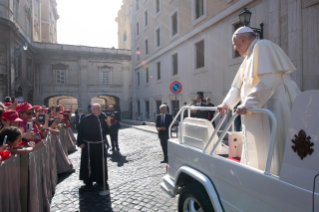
(176, 87)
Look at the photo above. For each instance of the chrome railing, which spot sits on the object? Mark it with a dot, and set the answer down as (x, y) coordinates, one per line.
(227, 127)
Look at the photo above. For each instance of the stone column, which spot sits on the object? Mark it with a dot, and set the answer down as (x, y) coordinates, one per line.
(83, 100)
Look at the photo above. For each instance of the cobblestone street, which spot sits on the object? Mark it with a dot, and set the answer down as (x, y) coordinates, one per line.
(134, 178)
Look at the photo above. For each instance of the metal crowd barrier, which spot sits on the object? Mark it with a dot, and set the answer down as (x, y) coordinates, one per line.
(27, 182)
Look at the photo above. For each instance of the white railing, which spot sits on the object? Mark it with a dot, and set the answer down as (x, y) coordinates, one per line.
(227, 127)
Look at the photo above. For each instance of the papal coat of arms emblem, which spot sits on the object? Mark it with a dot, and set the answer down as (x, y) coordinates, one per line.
(302, 144)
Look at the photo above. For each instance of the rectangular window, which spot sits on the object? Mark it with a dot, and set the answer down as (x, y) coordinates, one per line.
(199, 7)
(137, 5)
(138, 53)
(60, 77)
(138, 78)
(200, 57)
(138, 29)
(158, 37)
(146, 46)
(174, 24)
(158, 104)
(175, 64)
(147, 109)
(138, 108)
(105, 77)
(147, 75)
(158, 70)
(146, 18)
(157, 6)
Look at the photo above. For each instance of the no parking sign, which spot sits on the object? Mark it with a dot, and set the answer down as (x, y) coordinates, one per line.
(176, 87)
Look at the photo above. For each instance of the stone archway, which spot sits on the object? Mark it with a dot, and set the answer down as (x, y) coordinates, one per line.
(68, 102)
(106, 100)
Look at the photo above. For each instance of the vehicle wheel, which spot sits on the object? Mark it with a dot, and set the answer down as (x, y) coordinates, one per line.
(194, 198)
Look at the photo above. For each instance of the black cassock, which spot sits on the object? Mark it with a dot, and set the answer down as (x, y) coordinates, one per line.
(89, 130)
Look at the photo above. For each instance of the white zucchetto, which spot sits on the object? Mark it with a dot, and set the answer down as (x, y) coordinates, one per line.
(242, 30)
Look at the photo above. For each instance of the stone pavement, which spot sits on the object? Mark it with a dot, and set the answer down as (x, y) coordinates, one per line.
(134, 179)
(146, 128)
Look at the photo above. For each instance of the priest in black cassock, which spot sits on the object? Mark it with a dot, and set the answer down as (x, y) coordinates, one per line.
(90, 139)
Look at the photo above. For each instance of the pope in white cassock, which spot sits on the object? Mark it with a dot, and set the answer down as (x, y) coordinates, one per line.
(262, 81)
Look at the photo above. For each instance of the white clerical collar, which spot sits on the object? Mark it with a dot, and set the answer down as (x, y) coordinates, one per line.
(250, 48)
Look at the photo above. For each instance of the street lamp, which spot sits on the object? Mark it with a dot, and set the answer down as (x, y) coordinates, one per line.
(25, 47)
(244, 17)
(17, 51)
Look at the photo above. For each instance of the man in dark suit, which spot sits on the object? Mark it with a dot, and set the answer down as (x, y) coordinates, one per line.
(79, 117)
(210, 114)
(163, 122)
(199, 113)
(167, 108)
(115, 120)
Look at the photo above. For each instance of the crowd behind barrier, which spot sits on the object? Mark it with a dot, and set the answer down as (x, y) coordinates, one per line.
(44, 166)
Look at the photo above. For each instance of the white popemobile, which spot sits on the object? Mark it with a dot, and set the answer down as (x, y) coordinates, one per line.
(209, 179)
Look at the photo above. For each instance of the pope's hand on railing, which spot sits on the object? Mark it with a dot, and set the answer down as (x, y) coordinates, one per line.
(241, 110)
(82, 146)
(223, 109)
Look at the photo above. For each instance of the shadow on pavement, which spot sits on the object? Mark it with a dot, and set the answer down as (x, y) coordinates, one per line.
(63, 176)
(91, 201)
(118, 158)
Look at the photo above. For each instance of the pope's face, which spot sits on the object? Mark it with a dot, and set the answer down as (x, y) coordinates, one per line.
(241, 45)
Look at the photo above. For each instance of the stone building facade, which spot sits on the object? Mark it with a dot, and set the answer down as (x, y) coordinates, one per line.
(124, 25)
(35, 67)
(84, 73)
(21, 23)
(190, 41)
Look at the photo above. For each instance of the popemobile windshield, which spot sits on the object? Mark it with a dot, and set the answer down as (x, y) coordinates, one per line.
(206, 172)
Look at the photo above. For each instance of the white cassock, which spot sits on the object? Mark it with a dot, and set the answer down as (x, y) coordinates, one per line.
(263, 81)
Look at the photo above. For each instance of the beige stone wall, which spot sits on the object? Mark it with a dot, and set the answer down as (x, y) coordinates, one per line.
(162, 19)
(124, 26)
(292, 24)
(49, 19)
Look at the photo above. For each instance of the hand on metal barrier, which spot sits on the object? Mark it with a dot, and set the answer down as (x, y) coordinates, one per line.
(31, 144)
(39, 145)
(241, 110)
(223, 109)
